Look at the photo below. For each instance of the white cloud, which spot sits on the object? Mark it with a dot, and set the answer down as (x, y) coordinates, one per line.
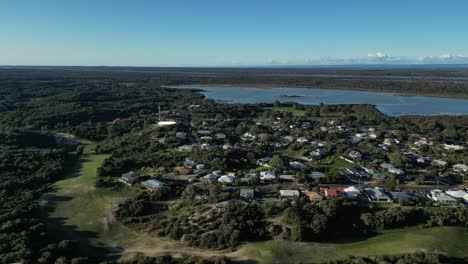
(377, 55)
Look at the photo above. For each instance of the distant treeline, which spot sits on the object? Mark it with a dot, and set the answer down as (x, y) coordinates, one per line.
(443, 82)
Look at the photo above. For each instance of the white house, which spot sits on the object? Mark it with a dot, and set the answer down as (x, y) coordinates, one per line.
(353, 192)
(289, 194)
(229, 179)
(460, 194)
(441, 197)
(267, 175)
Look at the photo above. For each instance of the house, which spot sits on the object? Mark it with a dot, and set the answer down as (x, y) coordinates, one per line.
(298, 165)
(379, 176)
(130, 177)
(211, 177)
(361, 135)
(441, 197)
(353, 192)
(302, 140)
(152, 184)
(460, 168)
(248, 136)
(460, 195)
(288, 139)
(355, 155)
(228, 179)
(289, 194)
(267, 175)
(400, 195)
(452, 147)
(313, 196)
(264, 161)
(247, 193)
(387, 165)
(377, 195)
(316, 175)
(183, 170)
(181, 135)
(200, 166)
(287, 177)
(439, 163)
(220, 136)
(190, 163)
(396, 171)
(318, 152)
(331, 193)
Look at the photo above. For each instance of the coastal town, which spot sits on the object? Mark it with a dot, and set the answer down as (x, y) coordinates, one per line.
(295, 157)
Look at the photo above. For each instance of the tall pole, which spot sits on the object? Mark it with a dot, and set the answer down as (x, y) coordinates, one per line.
(159, 111)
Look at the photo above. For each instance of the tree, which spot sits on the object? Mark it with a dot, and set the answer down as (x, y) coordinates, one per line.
(277, 163)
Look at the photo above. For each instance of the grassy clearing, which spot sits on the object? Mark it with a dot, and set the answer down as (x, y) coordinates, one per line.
(448, 240)
(287, 109)
(79, 211)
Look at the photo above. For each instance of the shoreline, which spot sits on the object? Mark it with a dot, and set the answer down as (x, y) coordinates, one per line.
(271, 86)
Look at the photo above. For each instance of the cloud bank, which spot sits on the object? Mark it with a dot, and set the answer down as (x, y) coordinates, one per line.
(378, 57)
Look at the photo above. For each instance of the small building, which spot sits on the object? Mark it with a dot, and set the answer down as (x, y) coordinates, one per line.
(287, 177)
(267, 175)
(316, 175)
(130, 177)
(302, 140)
(439, 163)
(460, 168)
(220, 136)
(211, 177)
(355, 155)
(396, 171)
(313, 196)
(377, 195)
(318, 152)
(289, 194)
(441, 197)
(181, 135)
(228, 179)
(332, 193)
(298, 165)
(400, 195)
(264, 161)
(460, 195)
(247, 193)
(190, 163)
(183, 170)
(152, 184)
(353, 192)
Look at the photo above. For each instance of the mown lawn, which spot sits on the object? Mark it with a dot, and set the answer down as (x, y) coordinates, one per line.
(448, 240)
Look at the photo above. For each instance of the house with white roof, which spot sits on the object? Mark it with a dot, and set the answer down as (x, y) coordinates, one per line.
(441, 197)
(289, 194)
(228, 179)
(353, 192)
(459, 194)
(267, 175)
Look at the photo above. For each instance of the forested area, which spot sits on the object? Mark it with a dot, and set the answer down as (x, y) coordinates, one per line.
(29, 163)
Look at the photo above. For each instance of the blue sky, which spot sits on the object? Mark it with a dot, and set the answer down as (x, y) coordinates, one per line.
(232, 33)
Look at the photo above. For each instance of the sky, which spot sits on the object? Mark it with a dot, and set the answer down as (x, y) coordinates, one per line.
(232, 33)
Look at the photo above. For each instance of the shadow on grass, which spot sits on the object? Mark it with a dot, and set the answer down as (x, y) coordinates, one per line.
(58, 229)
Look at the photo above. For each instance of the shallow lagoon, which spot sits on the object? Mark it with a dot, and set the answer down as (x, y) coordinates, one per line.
(387, 103)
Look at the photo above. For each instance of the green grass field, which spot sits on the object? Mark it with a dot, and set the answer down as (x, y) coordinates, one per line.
(446, 240)
(82, 212)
